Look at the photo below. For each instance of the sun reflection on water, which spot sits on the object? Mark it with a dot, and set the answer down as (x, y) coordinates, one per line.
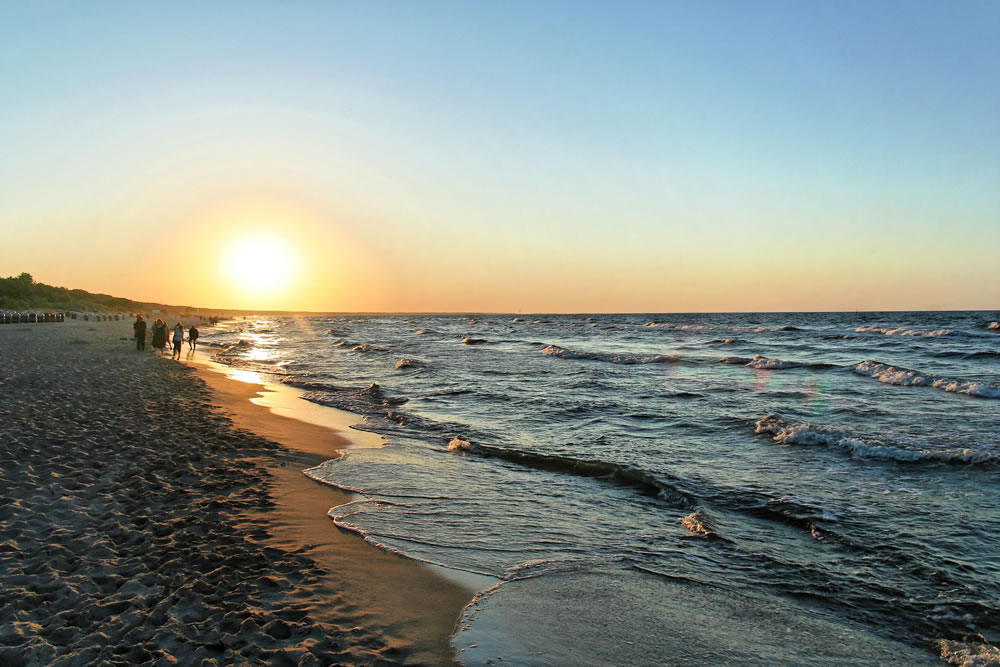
(241, 375)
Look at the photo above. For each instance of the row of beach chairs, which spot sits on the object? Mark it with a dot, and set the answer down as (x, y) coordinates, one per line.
(29, 317)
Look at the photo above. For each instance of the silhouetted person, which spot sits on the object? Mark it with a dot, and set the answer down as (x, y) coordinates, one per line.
(178, 340)
(193, 337)
(140, 332)
(159, 335)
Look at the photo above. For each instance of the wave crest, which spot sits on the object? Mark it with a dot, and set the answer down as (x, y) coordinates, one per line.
(473, 341)
(766, 363)
(371, 400)
(563, 353)
(903, 331)
(642, 481)
(459, 445)
(695, 523)
(862, 448)
(905, 377)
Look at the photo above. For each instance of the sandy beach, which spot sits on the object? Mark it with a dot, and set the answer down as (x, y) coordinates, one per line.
(152, 514)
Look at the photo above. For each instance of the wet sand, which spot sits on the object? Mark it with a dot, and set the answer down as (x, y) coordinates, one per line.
(149, 512)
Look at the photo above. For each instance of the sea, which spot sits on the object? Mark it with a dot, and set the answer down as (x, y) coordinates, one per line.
(647, 489)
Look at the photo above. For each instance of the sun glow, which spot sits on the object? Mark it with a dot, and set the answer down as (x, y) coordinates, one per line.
(261, 264)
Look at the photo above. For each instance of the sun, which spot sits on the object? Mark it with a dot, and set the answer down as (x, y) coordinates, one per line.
(262, 264)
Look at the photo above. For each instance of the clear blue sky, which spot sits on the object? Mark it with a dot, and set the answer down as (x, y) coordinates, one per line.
(518, 155)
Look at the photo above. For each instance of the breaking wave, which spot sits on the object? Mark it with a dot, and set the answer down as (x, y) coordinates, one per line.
(679, 327)
(719, 327)
(766, 363)
(903, 331)
(458, 445)
(697, 523)
(863, 448)
(905, 377)
(563, 353)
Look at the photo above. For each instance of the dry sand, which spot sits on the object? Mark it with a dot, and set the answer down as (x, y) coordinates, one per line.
(149, 513)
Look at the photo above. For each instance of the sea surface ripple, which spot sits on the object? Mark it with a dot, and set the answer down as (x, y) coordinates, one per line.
(829, 474)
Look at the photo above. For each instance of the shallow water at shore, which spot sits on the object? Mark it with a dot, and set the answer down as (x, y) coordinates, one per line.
(835, 472)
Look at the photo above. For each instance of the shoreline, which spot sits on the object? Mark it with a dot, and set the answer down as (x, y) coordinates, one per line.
(412, 603)
(149, 515)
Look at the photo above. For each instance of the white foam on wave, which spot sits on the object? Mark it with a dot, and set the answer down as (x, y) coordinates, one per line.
(563, 353)
(323, 473)
(688, 327)
(905, 377)
(339, 517)
(459, 445)
(861, 448)
(693, 522)
(718, 327)
(903, 331)
(969, 654)
(759, 361)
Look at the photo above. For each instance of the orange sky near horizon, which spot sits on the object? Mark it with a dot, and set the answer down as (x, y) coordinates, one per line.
(340, 259)
(335, 263)
(401, 158)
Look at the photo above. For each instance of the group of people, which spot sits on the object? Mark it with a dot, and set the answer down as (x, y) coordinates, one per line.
(160, 336)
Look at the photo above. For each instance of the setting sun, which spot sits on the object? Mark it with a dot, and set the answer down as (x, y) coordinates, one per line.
(260, 264)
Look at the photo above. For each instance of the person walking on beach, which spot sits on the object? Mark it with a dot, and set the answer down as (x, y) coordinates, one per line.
(159, 335)
(178, 340)
(193, 337)
(140, 332)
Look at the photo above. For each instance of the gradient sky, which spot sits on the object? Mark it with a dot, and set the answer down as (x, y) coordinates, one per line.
(507, 156)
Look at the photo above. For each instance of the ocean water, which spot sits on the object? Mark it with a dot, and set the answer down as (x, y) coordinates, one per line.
(674, 489)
